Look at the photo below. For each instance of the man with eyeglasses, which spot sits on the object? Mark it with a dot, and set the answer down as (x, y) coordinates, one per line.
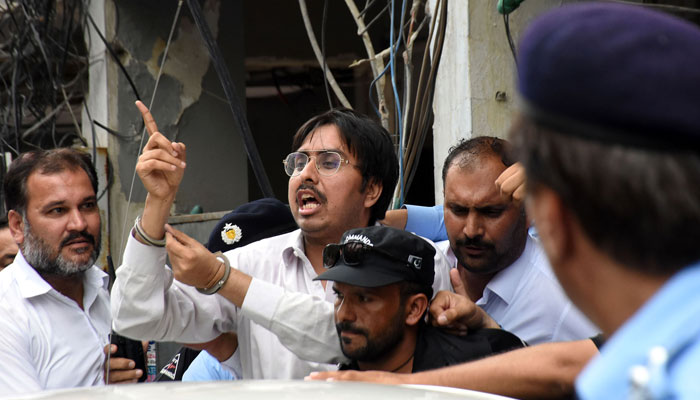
(342, 175)
(382, 278)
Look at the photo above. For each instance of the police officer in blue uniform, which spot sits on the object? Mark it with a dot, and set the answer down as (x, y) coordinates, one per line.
(610, 139)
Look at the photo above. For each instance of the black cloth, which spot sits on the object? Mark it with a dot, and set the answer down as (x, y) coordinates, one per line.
(173, 370)
(598, 340)
(436, 348)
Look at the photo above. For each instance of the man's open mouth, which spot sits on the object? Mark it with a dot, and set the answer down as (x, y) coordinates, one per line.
(307, 201)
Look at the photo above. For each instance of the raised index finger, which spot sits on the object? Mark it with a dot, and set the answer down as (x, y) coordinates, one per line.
(151, 126)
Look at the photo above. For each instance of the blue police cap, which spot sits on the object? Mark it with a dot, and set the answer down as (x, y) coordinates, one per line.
(617, 73)
(251, 222)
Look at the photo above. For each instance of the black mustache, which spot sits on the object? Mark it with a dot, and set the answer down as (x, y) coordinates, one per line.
(78, 235)
(475, 242)
(349, 327)
(319, 195)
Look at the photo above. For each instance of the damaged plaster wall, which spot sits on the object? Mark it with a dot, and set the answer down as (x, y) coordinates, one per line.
(189, 105)
(475, 91)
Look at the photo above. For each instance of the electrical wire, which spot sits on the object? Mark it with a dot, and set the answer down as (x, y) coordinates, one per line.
(423, 115)
(323, 53)
(124, 231)
(229, 90)
(324, 63)
(397, 101)
(511, 44)
(115, 57)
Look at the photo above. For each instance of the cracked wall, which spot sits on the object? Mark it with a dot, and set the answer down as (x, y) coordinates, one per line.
(189, 106)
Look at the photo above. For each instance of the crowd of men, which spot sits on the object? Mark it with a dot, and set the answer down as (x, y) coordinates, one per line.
(607, 139)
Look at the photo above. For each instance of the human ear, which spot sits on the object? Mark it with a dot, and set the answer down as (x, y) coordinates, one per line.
(553, 222)
(415, 308)
(16, 224)
(372, 192)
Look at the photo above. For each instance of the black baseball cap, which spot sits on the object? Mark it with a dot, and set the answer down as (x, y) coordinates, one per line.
(378, 256)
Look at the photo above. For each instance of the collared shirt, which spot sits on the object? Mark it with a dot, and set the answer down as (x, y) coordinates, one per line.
(277, 314)
(525, 298)
(46, 340)
(669, 323)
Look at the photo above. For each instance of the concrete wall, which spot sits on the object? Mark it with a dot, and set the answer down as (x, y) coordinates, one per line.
(189, 105)
(475, 90)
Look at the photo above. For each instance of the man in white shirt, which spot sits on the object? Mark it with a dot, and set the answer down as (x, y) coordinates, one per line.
(341, 176)
(54, 305)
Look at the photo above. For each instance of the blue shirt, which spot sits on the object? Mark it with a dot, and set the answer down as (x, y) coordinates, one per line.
(670, 323)
(206, 367)
(428, 222)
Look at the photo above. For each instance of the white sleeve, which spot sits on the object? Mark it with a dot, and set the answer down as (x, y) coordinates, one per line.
(441, 281)
(303, 323)
(148, 304)
(17, 371)
(573, 325)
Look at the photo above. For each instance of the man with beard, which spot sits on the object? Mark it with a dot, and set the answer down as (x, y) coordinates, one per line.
(382, 278)
(54, 305)
(341, 176)
(503, 268)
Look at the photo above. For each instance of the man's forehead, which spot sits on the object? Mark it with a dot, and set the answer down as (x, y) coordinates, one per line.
(326, 137)
(54, 186)
(477, 185)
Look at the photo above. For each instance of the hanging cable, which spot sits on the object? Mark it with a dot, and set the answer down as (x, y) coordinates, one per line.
(323, 53)
(234, 103)
(397, 102)
(115, 57)
(124, 231)
(506, 24)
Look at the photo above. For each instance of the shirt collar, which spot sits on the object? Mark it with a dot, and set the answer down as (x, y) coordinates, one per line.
(505, 283)
(293, 247)
(31, 284)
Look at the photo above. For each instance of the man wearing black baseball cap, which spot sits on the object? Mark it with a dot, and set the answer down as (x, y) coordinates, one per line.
(383, 282)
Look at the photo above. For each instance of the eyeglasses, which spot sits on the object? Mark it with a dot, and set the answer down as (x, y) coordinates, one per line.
(353, 253)
(327, 162)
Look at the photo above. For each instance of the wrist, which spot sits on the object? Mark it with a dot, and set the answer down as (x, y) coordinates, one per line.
(220, 278)
(143, 237)
(155, 215)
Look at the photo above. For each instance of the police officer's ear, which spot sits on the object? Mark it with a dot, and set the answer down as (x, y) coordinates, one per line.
(16, 224)
(415, 308)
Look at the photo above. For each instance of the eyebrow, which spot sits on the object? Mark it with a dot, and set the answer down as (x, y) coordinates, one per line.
(341, 152)
(62, 202)
(492, 206)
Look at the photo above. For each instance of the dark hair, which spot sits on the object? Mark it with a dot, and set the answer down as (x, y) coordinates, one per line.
(472, 149)
(369, 143)
(641, 207)
(408, 289)
(45, 162)
(3, 222)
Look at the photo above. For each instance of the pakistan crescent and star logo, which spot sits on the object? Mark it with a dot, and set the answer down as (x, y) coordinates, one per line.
(231, 234)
